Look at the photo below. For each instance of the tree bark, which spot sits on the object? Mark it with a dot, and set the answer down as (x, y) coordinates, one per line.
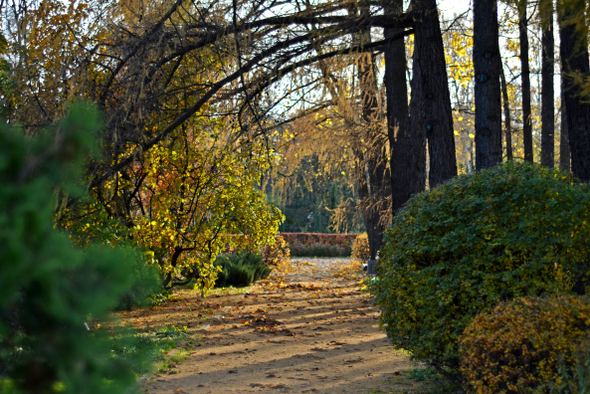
(547, 88)
(486, 62)
(431, 111)
(408, 156)
(507, 119)
(527, 121)
(574, 59)
(373, 160)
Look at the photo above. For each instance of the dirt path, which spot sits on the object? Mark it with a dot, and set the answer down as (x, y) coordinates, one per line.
(307, 329)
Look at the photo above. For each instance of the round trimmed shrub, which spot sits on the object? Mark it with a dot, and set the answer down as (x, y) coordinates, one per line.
(511, 231)
(518, 346)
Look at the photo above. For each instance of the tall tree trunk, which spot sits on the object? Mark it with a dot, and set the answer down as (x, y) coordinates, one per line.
(408, 156)
(547, 88)
(431, 102)
(486, 62)
(507, 120)
(527, 121)
(564, 140)
(574, 59)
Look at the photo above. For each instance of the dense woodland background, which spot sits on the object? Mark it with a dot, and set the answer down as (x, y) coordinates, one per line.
(142, 140)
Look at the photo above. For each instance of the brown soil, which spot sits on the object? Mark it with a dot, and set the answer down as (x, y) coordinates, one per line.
(309, 328)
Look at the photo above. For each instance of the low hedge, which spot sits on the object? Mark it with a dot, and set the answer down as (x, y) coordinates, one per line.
(320, 250)
(319, 244)
(310, 239)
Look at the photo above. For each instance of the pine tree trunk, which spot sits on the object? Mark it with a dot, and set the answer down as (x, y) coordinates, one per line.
(431, 111)
(408, 156)
(527, 121)
(547, 88)
(486, 62)
(574, 58)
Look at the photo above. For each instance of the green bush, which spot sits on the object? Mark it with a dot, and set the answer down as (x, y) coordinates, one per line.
(241, 269)
(52, 295)
(512, 231)
(518, 346)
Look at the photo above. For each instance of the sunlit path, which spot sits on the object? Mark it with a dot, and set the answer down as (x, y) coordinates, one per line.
(307, 329)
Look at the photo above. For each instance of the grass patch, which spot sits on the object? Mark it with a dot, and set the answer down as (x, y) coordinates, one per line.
(423, 374)
(229, 290)
(180, 356)
(163, 344)
(401, 352)
(436, 383)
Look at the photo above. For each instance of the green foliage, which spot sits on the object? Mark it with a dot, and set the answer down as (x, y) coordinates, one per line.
(575, 378)
(50, 292)
(516, 347)
(512, 231)
(241, 269)
(146, 283)
(360, 249)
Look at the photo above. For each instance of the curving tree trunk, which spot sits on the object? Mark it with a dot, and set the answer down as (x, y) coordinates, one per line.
(486, 62)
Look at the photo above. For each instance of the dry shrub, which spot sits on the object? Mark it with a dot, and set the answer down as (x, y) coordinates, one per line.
(273, 254)
(360, 248)
(518, 346)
